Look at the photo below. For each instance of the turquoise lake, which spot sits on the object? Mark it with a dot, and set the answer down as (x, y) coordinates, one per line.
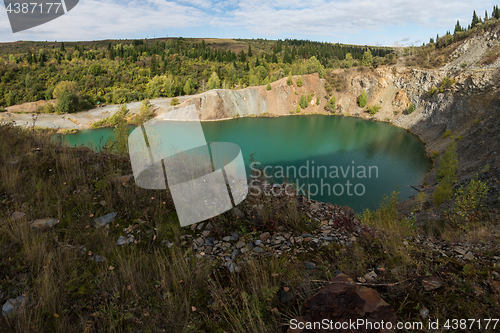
(318, 153)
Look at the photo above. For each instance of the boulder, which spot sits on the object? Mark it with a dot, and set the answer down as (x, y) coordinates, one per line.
(103, 220)
(343, 301)
(13, 304)
(43, 224)
(18, 215)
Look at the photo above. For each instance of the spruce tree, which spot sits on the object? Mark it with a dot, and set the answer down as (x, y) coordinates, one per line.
(475, 20)
(458, 28)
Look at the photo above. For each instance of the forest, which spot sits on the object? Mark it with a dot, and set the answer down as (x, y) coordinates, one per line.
(121, 71)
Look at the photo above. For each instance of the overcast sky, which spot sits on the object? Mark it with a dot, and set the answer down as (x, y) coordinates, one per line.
(363, 22)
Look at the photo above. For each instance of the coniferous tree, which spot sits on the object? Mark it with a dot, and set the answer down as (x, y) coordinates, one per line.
(458, 28)
(475, 19)
(485, 15)
(249, 51)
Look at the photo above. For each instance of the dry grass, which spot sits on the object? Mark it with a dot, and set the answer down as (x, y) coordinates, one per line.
(147, 286)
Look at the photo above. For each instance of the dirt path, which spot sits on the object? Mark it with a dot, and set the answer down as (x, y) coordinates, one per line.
(80, 120)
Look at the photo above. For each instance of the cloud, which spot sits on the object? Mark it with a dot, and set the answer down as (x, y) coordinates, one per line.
(92, 19)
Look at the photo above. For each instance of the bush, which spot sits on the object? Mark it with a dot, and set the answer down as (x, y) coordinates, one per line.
(362, 99)
(289, 81)
(432, 91)
(318, 101)
(298, 109)
(469, 199)
(116, 119)
(373, 109)
(174, 101)
(411, 108)
(463, 65)
(47, 108)
(331, 106)
(144, 115)
(268, 87)
(446, 134)
(299, 81)
(443, 192)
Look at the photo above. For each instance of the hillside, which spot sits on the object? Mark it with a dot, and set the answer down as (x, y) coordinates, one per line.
(86, 250)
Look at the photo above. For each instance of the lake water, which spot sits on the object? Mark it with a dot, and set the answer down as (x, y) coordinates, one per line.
(342, 160)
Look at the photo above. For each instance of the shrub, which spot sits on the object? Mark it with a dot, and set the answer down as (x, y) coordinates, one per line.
(373, 109)
(432, 91)
(268, 87)
(318, 101)
(463, 65)
(299, 81)
(47, 108)
(411, 108)
(144, 115)
(298, 109)
(289, 81)
(115, 119)
(443, 192)
(174, 101)
(362, 99)
(331, 106)
(469, 198)
(446, 134)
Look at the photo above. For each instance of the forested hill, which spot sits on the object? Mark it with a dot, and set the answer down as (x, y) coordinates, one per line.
(118, 71)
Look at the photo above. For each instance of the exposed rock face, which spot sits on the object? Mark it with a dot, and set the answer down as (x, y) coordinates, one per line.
(345, 302)
(225, 103)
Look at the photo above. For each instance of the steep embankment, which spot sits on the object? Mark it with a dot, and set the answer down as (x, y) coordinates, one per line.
(282, 99)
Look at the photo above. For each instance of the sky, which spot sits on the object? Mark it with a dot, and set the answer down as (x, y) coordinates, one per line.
(362, 22)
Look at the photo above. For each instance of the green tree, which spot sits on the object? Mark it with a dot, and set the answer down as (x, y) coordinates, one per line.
(153, 65)
(367, 58)
(362, 99)
(448, 164)
(249, 51)
(303, 101)
(289, 80)
(67, 102)
(475, 20)
(348, 60)
(63, 86)
(268, 87)
(299, 81)
(458, 28)
(214, 82)
(188, 87)
(118, 141)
